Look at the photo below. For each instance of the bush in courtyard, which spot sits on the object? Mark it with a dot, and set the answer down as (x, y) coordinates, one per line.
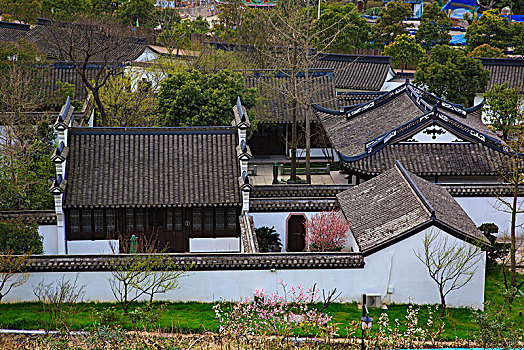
(497, 251)
(267, 238)
(20, 237)
(327, 232)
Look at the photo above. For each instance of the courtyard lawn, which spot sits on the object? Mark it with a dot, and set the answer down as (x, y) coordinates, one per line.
(193, 317)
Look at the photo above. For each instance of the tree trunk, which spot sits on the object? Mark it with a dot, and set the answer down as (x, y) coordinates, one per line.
(442, 303)
(308, 148)
(293, 176)
(512, 257)
(100, 107)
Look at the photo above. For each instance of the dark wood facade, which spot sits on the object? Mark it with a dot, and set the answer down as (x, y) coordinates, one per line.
(174, 226)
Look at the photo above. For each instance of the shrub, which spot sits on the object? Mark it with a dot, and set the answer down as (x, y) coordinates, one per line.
(20, 238)
(326, 232)
(267, 238)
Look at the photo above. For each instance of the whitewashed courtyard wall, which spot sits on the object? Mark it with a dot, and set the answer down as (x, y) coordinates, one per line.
(488, 209)
(397, 274)
(393, 272)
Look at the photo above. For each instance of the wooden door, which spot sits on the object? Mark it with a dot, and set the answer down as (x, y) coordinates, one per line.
(296, 233)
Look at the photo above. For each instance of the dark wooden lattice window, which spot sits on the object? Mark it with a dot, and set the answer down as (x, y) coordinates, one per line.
(197, 219)
(99, 220)
(86, 221)
(208, 219)
(75, 220)
(178, 219)
(130, 220)
(220, 221)
(231, 218)
(110, 220)
(140, 220)
(169, 220)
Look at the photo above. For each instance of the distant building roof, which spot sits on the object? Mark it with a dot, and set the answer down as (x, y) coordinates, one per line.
(152, 167)
(41, 217)
(13, 31)
(398, 204)
(356, 72)
(273, 90)
(129, 49)
(505, 70)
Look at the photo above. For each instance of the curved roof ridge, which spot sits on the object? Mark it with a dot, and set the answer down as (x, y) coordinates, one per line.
(326, 110)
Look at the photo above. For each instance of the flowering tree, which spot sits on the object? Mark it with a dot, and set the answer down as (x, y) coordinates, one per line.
(279, 315)
(326, 231)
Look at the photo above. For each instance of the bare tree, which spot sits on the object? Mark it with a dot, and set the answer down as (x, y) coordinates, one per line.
(61, 302)
(12, 271)
(88, 41)
(450, 265)
(146, 274)
(291, 32)
(510, 172)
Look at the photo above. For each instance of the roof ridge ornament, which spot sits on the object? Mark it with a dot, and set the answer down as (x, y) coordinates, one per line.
(65, 117)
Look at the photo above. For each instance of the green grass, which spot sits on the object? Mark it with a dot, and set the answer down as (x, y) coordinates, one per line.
(194, 317)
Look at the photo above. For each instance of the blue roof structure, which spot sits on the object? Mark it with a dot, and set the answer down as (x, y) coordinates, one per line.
(457, 39)
(458, 8)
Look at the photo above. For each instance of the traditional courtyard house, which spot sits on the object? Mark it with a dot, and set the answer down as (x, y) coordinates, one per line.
(275, 110)
(188, 186)
(437, 140)
(390, 217)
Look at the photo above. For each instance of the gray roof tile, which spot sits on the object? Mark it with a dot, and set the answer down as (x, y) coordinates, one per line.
(143, 167)
(398, 202)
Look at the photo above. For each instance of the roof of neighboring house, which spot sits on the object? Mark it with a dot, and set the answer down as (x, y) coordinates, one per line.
(353, 98)
(129, 49)
(398, 204)
(432, 159)
(274, 90)
(371, 136)
(356, 72)
(41, 217)
(13, 31)
(152, 167)
(65, 72)
(510, 70)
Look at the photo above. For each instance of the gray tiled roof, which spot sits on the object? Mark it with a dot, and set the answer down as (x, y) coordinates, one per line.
(505, 70)
(356, 72)
(202, 261)
(41, 217)
(13, 31)
(432, 159)
(350, 135)
(355, 98)
(151, 167)
(128, 50)
(274, 105)
(65, 72)
(397, 203)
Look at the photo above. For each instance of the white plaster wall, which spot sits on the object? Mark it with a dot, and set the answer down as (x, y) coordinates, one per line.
(489, 209)
(91, 247)
(50, 238)
(277, 220)
(220, 244)
(147, 55)
(398, 269)
(409, 279)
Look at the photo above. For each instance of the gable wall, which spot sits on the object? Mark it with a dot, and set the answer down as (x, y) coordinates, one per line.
(396, 273)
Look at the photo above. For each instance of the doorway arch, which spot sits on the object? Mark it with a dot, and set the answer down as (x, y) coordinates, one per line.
(296, 232)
